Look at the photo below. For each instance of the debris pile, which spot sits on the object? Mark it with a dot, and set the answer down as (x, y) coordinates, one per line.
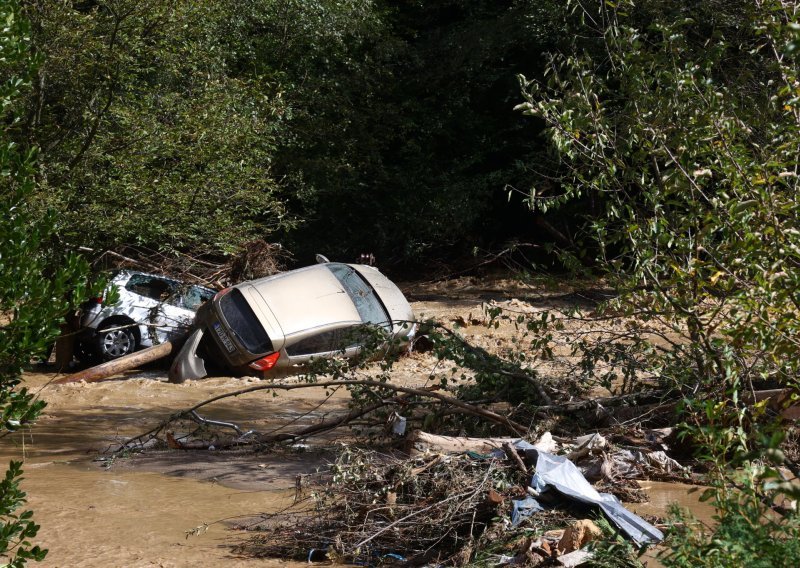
(502, 497)
(374, 507)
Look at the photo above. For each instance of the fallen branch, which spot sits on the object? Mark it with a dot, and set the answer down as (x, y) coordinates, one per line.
(636, 398)
(419, 442)
(515, 427)
(334, 423)
(512, 454)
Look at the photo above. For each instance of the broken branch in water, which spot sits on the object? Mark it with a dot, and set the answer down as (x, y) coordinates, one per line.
(403, 398)
(326, 425)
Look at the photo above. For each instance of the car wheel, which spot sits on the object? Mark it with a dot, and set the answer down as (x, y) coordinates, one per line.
(113, 342)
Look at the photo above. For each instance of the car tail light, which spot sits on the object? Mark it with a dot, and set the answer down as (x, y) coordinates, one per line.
(222, 292)
(266, 363)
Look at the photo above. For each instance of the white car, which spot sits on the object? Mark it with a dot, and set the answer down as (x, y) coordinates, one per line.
(151, 309)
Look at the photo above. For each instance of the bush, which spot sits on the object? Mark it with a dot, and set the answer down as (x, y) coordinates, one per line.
(34, 296)
(684, 120)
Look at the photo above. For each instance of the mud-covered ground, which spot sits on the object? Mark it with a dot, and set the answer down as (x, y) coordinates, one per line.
(137, 510)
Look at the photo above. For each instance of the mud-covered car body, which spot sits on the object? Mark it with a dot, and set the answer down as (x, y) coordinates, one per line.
(149, 309)
(285, 320)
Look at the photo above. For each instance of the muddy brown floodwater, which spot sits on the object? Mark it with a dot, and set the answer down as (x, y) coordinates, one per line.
(136, 512)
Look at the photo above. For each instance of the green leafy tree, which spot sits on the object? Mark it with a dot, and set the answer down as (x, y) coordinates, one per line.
(684, 121)
(390, 125)
(33, 296)
(152, 130)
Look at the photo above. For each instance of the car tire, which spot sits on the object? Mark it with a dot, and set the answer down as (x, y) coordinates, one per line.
(113, 341)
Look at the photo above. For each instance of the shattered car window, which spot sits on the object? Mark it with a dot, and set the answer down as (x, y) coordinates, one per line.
(195, 296)
(149, 287)
(361, 293)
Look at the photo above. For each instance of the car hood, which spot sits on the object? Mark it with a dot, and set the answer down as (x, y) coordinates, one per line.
(391, 296)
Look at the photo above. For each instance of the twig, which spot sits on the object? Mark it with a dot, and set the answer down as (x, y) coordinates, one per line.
(512, 454)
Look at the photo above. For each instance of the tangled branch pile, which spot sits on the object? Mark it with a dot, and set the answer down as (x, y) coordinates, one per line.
(379, 508)
(254, 259)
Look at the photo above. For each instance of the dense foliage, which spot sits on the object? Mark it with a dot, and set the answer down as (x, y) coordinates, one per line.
(418, 141)
(685, 122)
(663, 156)
(196, 127)
(149, 132)
(34, 296)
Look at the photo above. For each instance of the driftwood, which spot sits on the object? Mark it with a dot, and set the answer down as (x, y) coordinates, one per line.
(420, 442)
(100, 372)
(511, 453)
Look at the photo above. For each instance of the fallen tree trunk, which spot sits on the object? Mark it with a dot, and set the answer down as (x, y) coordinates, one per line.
(100, 372)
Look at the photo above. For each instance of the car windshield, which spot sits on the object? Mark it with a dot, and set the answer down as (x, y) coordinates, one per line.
(362, 294)
(243, 322)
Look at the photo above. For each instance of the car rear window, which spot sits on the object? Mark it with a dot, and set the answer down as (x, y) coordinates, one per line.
(243, 322)
(362, 294)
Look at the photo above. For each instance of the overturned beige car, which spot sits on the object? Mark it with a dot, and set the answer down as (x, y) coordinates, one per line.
(286, 320)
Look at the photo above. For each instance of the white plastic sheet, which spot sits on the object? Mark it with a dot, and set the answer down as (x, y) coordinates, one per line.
(561, 474)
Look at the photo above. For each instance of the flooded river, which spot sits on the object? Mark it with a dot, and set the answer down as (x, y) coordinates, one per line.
(136, 512)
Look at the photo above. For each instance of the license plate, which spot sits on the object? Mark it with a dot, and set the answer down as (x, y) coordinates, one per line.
(223, 337)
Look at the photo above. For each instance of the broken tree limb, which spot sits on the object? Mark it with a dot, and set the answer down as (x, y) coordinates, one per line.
(327, 425)
(320, 427)
(629, 399)
(513, 426)
(419, 442)
(100, 372)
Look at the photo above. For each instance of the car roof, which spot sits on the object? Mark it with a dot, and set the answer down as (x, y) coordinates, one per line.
(306, 298)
